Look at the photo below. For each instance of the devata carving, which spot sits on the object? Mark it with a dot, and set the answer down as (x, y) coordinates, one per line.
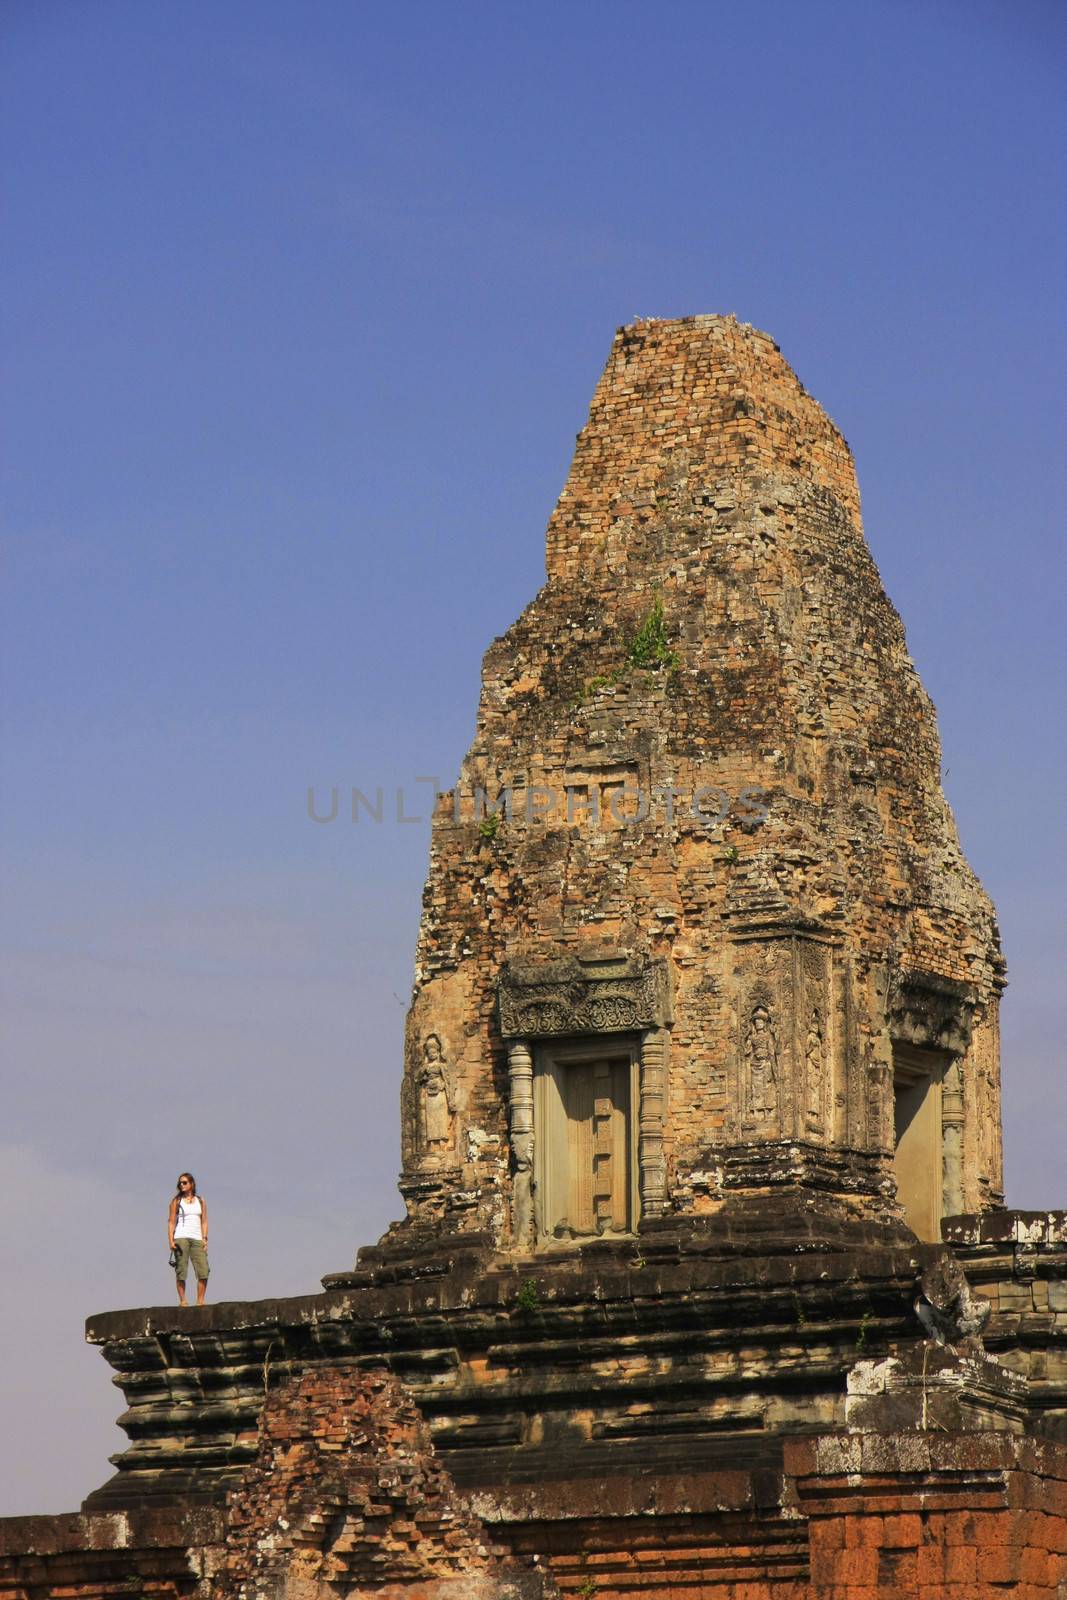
(612, 995)
(813, 1066)
(761, 1065)
(436, 1105)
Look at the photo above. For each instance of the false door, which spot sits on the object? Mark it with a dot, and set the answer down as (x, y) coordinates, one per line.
(585, 1144)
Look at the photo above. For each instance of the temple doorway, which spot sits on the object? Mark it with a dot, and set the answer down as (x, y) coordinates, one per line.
(918, 1151)
(585, 1143)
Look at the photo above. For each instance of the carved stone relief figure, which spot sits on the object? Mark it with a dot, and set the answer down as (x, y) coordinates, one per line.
(879, 1074)
(813, 1068)
(436, 1107)
(761, 1065)
(769, 956)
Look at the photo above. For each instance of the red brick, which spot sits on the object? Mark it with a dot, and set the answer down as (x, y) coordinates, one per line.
(861, 1530)
(1035, 1566)
(900, 1533)
(992, 1529)
(999, 1565)
(827, 1533)
(824, 1567)
(961, 1562)
(930, 1564)
(856, 1567)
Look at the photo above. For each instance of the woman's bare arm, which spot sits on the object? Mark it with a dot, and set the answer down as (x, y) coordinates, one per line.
(172, 1217)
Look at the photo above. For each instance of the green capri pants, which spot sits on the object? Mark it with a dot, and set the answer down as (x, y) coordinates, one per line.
(191, 1250)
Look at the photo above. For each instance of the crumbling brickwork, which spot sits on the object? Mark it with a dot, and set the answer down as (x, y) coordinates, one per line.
(344, 1497)
(345, 1491)
(346, 1502)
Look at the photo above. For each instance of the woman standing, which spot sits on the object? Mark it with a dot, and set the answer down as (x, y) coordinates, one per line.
(187, 1233)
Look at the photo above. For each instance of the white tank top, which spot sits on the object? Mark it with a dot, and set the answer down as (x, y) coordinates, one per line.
(187, 1225)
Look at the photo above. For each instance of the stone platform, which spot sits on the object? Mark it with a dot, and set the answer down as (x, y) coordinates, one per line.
(676, 1416)
(676, 1347)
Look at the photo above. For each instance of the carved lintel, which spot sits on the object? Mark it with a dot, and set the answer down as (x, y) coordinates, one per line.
(931, 1012)
(583, 995)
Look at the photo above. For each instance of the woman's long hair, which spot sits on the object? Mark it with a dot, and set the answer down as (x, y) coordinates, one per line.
(178, 1187)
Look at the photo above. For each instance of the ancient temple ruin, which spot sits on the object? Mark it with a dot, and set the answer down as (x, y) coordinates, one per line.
(706, 1289)
(698, 905)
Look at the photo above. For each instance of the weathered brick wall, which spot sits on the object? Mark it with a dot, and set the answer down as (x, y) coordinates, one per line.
(691, 1536)
(345, 1497)
(923, 1516)
(709, 483)
(1017, 1260)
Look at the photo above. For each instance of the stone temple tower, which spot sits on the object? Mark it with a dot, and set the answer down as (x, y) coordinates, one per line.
(698, 928)
(705, 1289)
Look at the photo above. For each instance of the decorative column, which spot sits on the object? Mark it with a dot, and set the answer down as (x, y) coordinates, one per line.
(952, 1141)
(650, 1127)
(521, 1128)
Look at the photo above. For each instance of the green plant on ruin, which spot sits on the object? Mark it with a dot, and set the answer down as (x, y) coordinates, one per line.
(587, 1588)
(865, 1323)
(603, 680)
(489, 825)
(527, 1298)
(649, 648)
(731, 855)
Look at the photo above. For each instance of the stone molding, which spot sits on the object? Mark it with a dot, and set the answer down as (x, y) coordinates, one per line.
(931, 1012)
(609, 993)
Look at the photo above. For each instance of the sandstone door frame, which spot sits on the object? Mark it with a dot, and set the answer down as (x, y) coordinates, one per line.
(918, 1137)
(648, 1050)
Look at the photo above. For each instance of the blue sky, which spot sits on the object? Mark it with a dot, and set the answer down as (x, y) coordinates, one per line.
(303, 306)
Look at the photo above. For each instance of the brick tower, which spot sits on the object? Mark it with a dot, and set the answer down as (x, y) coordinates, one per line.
(698, 927)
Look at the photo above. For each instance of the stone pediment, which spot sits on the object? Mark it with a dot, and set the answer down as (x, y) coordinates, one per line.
(609, 993)
(932, 1012)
